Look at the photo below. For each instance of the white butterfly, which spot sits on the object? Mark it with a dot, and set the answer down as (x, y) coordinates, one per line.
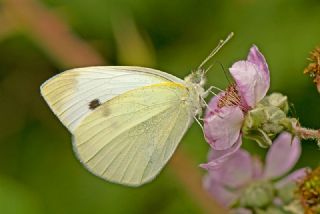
(126, 121)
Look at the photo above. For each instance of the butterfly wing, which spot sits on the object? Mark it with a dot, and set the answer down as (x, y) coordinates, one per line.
(73, 94)
(130, 138)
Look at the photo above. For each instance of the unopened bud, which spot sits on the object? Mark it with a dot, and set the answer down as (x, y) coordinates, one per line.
(276, 100)
(270, 210)
(287, 192)
(263, 123)
(294, 207)
(259, 194)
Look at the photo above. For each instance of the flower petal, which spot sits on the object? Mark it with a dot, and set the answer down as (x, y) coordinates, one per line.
(257, 167)
(219, 192)
(213, 105)
(234, 172)
(240, 211)
(218, 157)
(292, 177)
(282, 155)
(223, 128)
(256, 57)
(251, 81)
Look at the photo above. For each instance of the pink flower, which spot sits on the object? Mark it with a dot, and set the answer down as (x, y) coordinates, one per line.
(226, 111)
(227, 182)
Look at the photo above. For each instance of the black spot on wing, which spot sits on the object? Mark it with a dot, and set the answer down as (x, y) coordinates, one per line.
(94, 104)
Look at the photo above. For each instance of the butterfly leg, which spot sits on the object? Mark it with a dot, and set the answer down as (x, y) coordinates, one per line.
(210, 90)
(197, 119)
(205, 104)
(201, 126)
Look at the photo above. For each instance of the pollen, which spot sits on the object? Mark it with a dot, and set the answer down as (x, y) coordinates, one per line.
(231, 97)
(309, 191)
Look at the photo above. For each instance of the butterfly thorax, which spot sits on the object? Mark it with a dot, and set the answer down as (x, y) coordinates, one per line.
(195, 83)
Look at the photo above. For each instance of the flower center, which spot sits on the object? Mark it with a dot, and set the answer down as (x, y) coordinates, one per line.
(309, 191)
(314, 67)
(232, 98)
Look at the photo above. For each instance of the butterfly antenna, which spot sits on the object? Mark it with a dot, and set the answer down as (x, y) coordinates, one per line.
(215, 50)
(205, 71)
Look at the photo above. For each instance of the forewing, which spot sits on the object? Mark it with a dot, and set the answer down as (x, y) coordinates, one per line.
(74, 93)
(130, 138)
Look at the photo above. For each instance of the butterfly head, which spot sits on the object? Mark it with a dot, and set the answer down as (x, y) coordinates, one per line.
(196, 77)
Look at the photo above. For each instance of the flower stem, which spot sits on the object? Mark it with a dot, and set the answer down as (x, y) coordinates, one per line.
(51, 32)
(191, 178)
(306, 133)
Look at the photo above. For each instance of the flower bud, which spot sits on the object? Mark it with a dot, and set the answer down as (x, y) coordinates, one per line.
(263, 123)
(294, 207)
(257, 195)
(276, 100)
(274, 116)
(287, 192)
(270, 210)
(260, 137)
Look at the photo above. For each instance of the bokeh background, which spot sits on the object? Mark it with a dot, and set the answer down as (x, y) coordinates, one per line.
(38, 39)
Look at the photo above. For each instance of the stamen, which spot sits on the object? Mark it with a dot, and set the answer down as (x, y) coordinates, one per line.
(309, 191)
(231, 98)
(313, 68)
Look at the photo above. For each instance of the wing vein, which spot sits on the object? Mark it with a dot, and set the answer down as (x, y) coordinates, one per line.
(163, 146)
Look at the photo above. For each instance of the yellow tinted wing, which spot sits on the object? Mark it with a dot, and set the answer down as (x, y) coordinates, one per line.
(70, 93)
(130, 138)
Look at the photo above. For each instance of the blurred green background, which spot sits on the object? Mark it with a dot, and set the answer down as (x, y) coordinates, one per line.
(38, 39)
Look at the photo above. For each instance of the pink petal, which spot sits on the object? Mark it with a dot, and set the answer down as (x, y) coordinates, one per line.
(223, 128)
(219, 192)
(241, 211)
(277, 201)
(256, 57)
(213, 105)
(251, 81)
(234, 172)
(282, 155)
(292, 177)
(218, 157)
(257, 167)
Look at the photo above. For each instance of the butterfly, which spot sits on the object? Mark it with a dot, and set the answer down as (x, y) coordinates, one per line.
(126, 121)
